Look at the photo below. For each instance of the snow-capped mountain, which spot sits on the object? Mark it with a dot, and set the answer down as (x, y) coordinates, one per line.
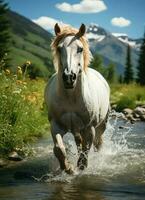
(112, 46)
(97, 33)
(134, 43)
(94, 32)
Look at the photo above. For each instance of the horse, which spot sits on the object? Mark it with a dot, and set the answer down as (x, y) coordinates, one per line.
(77, 97)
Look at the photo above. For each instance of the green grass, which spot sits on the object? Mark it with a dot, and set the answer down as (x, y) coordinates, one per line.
(127, 96)
(23, 117)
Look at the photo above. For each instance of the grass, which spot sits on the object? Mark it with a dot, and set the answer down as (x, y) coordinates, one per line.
(26, 50)
(127, 96)
(23, 116)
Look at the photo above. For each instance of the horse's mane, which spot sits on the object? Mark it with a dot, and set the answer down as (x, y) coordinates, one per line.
(67, 31)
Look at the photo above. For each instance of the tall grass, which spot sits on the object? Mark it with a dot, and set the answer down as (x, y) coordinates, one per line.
(127, 96)
(22, 114)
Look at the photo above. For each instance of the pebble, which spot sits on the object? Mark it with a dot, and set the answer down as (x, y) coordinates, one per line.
(14, 156)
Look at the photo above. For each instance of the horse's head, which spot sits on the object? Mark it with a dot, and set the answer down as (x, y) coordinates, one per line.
(71, 50)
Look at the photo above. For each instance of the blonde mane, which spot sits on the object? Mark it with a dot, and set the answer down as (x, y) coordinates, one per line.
(68, 31)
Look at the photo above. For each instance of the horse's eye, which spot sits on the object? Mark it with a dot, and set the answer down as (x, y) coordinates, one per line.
(79, 50)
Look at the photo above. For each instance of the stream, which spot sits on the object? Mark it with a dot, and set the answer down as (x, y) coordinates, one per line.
(117, 172)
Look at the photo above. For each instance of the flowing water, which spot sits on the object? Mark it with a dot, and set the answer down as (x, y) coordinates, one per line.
(117, 172)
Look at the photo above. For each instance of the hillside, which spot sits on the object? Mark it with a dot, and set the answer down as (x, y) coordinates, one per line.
(29, 42)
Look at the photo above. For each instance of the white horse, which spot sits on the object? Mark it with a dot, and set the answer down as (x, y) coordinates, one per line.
(76, 95)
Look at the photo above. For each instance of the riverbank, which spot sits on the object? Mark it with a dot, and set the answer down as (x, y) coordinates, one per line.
(130, 100)
(127, 96)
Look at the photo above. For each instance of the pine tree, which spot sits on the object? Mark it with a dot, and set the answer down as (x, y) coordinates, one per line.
(141, 64)
(97, 64)
(120, 79)
(4, 30)
(128, 73)
(111, 75)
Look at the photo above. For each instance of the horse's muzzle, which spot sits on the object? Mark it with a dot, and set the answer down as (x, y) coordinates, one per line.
(69, 80)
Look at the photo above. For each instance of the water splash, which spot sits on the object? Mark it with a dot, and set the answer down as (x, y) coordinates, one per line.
(117, 157)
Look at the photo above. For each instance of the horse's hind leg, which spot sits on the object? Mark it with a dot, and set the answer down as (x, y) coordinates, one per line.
(87, 139)
(98, 135)
(59, 148)
(78, 140)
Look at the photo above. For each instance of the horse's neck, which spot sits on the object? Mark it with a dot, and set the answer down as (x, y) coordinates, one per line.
(74, 93)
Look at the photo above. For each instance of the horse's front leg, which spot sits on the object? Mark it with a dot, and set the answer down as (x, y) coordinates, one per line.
(59, 148)
(87, 139)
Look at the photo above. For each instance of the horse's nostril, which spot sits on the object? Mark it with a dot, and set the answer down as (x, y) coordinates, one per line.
(74, 77)
(64, 76)
(69, 78)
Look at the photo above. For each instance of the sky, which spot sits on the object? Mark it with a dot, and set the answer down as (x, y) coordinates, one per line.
(116, 16)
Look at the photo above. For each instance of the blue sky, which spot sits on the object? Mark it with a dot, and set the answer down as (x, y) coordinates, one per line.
(117, 16)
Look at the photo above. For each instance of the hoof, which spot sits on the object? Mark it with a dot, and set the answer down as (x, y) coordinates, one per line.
(69, 170)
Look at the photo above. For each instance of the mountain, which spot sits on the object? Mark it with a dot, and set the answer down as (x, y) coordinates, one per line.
(29, 42)
(112, 47)
(134, 43)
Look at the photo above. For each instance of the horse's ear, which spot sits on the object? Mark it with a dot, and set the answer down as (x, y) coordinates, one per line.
(57, 29)
(82, 30)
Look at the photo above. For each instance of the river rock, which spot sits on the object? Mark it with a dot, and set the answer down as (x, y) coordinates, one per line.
(3, 163)
(14, 156)
(127, 111)
(142, 117)
(139, 111)
(143, 106)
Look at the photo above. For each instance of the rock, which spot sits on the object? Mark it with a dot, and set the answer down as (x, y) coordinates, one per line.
(139, 111)
(142, 118)
(14, 156)
(3, 163)
(131, 118)
(136, 115)
(127, 111)
(114, 106)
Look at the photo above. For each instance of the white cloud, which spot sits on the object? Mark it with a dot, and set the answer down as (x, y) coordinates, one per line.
(85, 6)
(47, 22)
(120, 21)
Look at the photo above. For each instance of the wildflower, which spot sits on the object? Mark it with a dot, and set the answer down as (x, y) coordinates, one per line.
(32, 99)
(19, 82)
(19, 72)
(28, 62)
(17, 91)
(7, 72)
(24, 83)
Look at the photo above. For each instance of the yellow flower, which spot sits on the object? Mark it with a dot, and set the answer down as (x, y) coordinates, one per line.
(28, 62)
(19, 82)
(7, 72)
(19, 70)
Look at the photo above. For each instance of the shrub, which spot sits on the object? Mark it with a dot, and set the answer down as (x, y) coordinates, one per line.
(22, 117)
(125, 102)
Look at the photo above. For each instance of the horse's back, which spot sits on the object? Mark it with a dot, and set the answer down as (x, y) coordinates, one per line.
(99, 91)
(98, 78)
